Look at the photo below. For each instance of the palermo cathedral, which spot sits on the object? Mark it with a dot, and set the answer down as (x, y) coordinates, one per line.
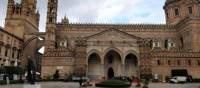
(112, 50)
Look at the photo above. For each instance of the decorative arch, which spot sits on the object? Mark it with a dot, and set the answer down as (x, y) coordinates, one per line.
(92, 52)
(131, 52)
(112, 58)
(112, 49)
(131, 62)
(26, 43)
(94, 66)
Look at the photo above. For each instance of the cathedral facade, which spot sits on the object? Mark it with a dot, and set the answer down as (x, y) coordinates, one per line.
(107, 50)
(18, 36)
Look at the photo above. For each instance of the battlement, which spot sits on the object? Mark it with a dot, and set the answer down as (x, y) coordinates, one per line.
(133, 26)
(183, 53)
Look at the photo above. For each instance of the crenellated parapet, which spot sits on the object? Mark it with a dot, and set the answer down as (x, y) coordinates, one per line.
(125, 27)
(142, 26)
(58, 53)
(177, 53)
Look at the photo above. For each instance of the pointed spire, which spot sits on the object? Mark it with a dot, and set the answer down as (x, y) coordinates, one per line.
(65, 20)
(11, 1)
(10, 8)
(37, 12)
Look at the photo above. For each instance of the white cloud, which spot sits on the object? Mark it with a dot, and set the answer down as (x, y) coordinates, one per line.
(106, 11)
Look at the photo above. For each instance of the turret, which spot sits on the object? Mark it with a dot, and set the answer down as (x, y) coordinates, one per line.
(24, 15)
(10, 8)
(51, 23)
(177, 10)
(65, 20)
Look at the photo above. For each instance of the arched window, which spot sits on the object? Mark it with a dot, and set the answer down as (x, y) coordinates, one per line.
(178, 62)
(151, 43)
(189, 62)
(158, 62)
(190, 10)
(169, 62)
(167, 15)
(198, 62)
(6, 52)
(171, 44)
(177, 12)
(166, 44)
(13, 54)
(51, 10)
(18, 54)
(50, 19)
(110, 59)
(182, 42)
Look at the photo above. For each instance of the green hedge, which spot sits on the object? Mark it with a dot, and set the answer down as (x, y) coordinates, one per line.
(11, 82)
(50, 80)
(114, 84)
(12, 70)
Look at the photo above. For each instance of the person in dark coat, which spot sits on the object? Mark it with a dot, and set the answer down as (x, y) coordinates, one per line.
(80, 82)
(31, 71)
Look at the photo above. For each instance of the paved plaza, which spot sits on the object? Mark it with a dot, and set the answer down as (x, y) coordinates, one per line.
(76, 85)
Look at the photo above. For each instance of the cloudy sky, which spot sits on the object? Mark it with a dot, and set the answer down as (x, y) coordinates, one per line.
(101, 11)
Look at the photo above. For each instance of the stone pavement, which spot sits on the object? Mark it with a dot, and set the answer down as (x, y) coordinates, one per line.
(169, 85)
(76, 85)
(45, 85)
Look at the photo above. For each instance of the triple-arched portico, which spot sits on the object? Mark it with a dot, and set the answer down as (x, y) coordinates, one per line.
(112, 62)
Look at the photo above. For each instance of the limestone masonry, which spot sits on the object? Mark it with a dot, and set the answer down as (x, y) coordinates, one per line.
(107, 50)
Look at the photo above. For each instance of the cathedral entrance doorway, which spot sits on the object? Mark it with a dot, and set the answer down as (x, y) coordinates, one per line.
(112, 64)
(110, 73)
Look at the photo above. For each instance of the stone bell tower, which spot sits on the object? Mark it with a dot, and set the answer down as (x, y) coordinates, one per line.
(177, 10)
(51, 24)
(22, 18)
(185, 14)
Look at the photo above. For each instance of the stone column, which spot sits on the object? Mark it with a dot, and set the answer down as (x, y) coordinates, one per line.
(123, 70)
(102, 71)
(86, 70)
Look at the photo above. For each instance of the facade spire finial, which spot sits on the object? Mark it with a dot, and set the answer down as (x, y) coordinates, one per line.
(65, 20)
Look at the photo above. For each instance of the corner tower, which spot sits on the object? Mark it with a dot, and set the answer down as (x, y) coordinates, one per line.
(51, 23)
(22, 18)
(177, 10)
(185, 14)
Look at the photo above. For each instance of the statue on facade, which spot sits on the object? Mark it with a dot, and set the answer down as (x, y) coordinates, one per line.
(31, 71)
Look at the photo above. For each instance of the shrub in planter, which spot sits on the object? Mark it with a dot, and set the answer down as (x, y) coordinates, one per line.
(114, 84)
(4, 82)
(2, 70)
(145, 81)
(10, 70)
(47, 77)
